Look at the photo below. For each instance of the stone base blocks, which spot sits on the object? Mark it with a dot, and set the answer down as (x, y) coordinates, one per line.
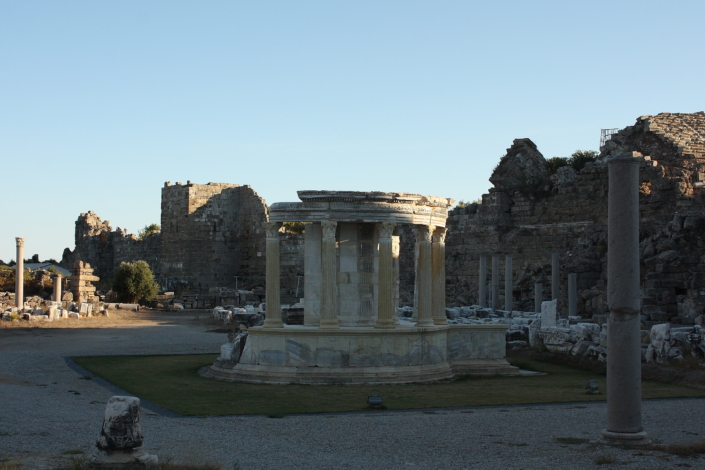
(406, 354)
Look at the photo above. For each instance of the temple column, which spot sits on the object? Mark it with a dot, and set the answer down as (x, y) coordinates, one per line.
(385, 290)
(508, 284)
(438, 274)
(329, 273)
(495, 282)
(57, 288)
(19, 274)
(424, 277)
(624, 300)
(538, 296)
(556, 278)
(482, 287)
(572, 294)
(274, 314)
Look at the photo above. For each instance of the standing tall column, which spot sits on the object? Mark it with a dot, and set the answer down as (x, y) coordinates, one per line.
(556, 277)
(623, 335)
(19, 274)
(538, 296)
(439, 276)
(508, 284)
(385, 290)
(482, 287)
(274, 311)
(329, 318)
(423, 276)
(57, 287)
(572, 294)
(495, 282)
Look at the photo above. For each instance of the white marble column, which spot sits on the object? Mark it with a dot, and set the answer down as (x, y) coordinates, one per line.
(438, 275)
(19, 274)
(385, 289)
(57, 288)
(482, 283)
(329, 274)
(274, 312)
(624, 424)
(508, 284)
(424, 277)
(495, 282)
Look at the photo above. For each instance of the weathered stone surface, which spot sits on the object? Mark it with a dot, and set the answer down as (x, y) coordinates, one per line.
(120, 441)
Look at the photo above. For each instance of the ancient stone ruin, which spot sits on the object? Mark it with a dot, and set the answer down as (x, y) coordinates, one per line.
(119, 445)
(351, 331)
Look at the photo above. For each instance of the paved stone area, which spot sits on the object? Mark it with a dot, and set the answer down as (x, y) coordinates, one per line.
(47, 409)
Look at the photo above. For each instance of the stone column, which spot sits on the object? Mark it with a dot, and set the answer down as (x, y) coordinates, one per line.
(495, 282)
(312, 274)
(57, 288)
(623, 336)
(556, 277)
(274, 311)
(538, 296)
(572, 294)
(423, 276)
(385, 289)
(19, 274)
(329, 274)
(438, 275)
(482, 287)
(508, 284)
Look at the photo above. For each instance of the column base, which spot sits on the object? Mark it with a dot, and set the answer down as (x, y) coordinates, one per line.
(272, 323)
(440, 321)
(388, 323)
(623, 438)
(423, 323)
(329, 324)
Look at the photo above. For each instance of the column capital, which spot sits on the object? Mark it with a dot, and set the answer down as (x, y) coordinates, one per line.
(425, 232)
(386, 229)
(329, 227)
(439, 235)
(20, 242)
(272, 229)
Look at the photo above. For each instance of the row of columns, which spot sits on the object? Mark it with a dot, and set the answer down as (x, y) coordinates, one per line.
(430, 276)
(19, 277)
(509, 283)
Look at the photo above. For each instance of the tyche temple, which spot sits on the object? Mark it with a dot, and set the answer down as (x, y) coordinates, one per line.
(351, 332)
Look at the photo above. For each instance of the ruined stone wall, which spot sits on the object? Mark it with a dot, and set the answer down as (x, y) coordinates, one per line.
(530, 218)
(212, 233)
(104, 248)
(292, 264)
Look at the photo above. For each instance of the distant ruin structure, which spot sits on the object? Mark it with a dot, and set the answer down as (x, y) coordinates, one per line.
(549, 223)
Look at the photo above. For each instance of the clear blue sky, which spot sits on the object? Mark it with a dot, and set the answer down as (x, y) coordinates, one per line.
(102, 102)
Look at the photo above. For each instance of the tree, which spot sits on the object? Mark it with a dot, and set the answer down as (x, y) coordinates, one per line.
(134, 281)
(148, 230)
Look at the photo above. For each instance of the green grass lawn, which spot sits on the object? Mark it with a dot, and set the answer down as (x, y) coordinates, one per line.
(172, 382)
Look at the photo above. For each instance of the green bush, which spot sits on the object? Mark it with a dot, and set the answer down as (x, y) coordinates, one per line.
(148, 230)
(580, 157)
(555, 163)
(134, 281)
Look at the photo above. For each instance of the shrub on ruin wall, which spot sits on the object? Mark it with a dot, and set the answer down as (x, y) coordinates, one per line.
(134, 282)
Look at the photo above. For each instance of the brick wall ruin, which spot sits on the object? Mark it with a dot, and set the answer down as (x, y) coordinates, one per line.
(212, 233)
(104, 248)
(530, 214)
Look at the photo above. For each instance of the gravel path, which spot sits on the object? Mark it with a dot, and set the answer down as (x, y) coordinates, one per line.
(48, 408)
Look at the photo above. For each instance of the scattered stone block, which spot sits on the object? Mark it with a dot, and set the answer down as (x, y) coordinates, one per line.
(120, 442)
